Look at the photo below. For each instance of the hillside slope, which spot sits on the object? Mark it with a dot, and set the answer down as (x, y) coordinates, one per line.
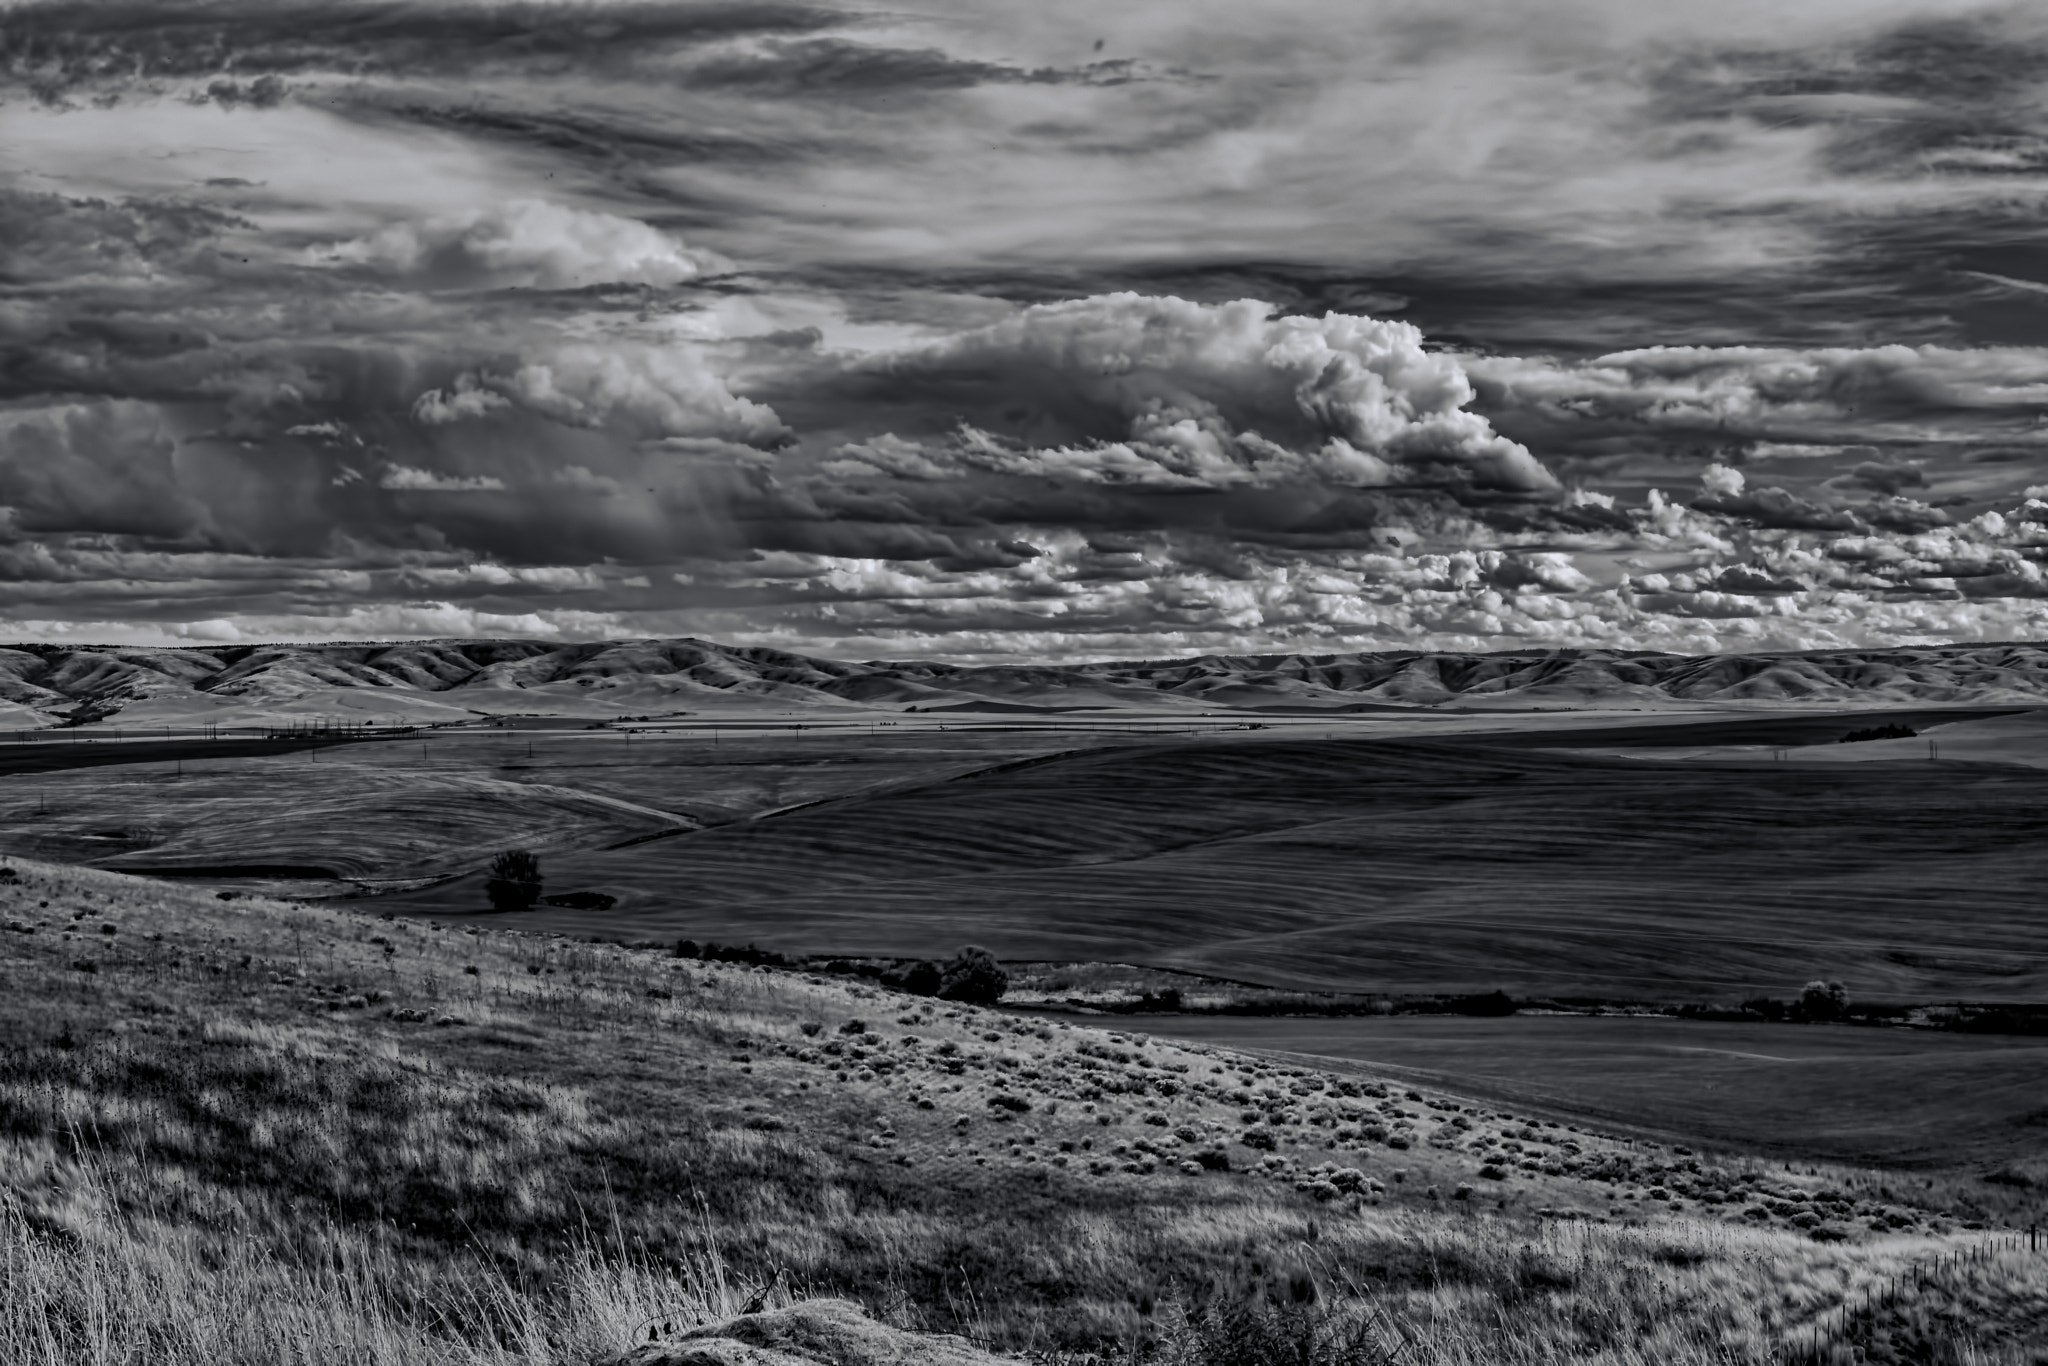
(500, 1148)
(426, 680)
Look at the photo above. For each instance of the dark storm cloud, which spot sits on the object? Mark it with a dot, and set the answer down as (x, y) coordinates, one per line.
(1884, 478)
(618, 138)
(57, 47)
(1777, 509)
(1959, 93)
(49, 241)
(835, 67)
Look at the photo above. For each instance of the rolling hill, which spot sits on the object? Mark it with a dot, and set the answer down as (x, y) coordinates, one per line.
(1397, 864)
(449, 679)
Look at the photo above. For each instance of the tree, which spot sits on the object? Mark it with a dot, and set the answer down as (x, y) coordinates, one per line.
(1824, 1001)
(515, 881)
(973, 976)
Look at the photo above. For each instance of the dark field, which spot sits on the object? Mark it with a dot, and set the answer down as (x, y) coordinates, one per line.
(1744, 730)
(1827, 1092)
(1398, 865)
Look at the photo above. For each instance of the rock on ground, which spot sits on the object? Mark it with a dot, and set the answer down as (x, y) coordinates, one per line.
(814, 1333)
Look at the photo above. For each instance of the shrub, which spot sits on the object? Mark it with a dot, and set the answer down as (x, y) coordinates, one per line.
(1890, 732)
(973, 976)
(1262, 1139)
(920, 978)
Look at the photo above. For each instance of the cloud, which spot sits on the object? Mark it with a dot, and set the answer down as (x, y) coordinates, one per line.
(1722, 490)
(1825, 395)
(1129, 388)
(1885, 478)
(1748, 579)
(945, 334)
(407, 479)
(265, 92)
(367, 622)
(108, 466)
(658, 391)
(836, 68)
(551, 578)
(465, 398)
(531, 244)
(55, 47)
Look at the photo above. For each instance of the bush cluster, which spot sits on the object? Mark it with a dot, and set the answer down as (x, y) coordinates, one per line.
(1889, 732)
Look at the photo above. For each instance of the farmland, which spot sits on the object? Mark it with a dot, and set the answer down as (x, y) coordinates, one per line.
(1435, 862)
(1916, 1099)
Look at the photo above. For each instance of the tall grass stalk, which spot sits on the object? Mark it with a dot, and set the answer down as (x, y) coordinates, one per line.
(97, 1289)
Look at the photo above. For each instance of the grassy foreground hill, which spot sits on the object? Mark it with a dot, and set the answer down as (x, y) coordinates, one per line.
(254, 1131)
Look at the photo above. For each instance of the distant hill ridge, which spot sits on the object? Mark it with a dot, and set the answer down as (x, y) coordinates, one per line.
(83, 683)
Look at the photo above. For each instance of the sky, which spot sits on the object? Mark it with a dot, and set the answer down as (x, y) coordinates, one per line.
(995, 332)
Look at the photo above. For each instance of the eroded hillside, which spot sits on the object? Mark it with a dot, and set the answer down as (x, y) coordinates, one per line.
(44, 683)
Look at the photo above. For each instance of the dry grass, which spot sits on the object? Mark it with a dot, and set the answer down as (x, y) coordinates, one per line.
(255, 1131)
(114, 1289)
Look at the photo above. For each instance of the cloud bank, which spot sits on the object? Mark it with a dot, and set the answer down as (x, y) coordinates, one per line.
(1042, 331)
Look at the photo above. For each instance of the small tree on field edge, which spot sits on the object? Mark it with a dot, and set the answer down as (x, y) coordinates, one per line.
(1824, 1001)
(973, 976)
(515, 881)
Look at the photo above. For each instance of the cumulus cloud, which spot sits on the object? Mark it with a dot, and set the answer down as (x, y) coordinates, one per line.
(1782, 401)
(465, 398)
(551, 578)
(408, 479)
(1723, 490)
(1131, 388)
(660, 391)
(367, 621)
(529, 243)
